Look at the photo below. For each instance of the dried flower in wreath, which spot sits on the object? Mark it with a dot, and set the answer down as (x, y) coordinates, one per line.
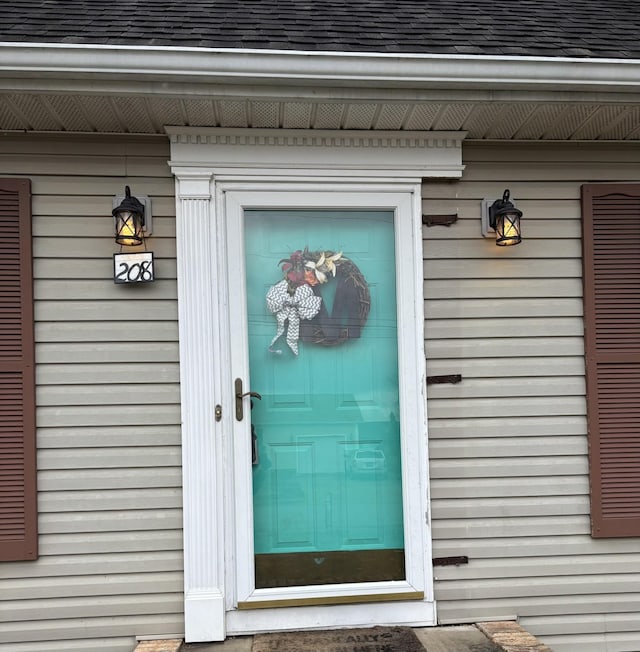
(297, 302)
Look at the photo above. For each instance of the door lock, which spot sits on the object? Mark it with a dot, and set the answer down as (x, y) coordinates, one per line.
(240, 398)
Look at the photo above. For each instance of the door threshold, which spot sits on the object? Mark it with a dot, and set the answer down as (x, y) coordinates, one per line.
(410, 613)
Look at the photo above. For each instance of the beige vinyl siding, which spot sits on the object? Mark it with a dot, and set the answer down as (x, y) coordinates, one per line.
(108, 406)
(508, 445)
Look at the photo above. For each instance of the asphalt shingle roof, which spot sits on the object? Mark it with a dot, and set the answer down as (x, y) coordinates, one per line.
(586, 28)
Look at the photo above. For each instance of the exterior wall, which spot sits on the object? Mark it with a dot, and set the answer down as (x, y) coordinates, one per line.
(508, 445)
(108, 412)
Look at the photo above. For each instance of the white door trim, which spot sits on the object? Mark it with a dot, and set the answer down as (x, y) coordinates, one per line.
(207, 164)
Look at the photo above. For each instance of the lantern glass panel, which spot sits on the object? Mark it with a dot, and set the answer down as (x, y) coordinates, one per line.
(508, 229)
(128, 228)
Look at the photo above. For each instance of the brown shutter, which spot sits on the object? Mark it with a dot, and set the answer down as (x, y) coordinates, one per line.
(18, 506)
(611, 246)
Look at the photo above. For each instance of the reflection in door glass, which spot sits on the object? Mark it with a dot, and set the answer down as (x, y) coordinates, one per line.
(327, 489)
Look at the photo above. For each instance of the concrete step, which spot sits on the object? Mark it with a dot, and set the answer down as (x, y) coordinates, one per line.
(484, 637)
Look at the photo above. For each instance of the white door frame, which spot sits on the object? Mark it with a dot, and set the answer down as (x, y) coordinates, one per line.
(400, 199)
(208, 165)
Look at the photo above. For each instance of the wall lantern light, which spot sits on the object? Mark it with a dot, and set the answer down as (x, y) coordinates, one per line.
(132, 223)
(130, 219)
(502, 218)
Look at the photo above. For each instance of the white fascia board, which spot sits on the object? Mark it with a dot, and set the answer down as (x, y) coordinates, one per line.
(84, 65)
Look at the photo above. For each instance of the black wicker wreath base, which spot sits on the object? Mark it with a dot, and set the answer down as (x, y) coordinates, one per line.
(350, 310)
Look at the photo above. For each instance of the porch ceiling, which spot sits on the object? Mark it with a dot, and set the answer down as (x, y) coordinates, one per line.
(501, 119)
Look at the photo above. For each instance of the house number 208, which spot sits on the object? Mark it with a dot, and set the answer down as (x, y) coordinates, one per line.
(133, 268)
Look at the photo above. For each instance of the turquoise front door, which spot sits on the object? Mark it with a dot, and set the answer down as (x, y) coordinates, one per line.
(323, 355)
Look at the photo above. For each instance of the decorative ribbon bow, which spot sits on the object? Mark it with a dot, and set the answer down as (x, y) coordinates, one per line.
(304, 304)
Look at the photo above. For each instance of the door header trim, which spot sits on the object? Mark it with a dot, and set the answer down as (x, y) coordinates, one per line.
(414, 154)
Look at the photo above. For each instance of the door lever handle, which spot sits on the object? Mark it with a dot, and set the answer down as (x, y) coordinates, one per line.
(240, 398)
(253, 394)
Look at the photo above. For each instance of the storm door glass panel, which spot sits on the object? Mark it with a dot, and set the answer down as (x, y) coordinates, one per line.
(323, 354)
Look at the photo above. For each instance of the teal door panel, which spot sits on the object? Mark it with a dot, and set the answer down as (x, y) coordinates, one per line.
(327, 474)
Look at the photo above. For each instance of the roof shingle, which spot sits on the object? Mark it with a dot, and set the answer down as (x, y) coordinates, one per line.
(585, 28)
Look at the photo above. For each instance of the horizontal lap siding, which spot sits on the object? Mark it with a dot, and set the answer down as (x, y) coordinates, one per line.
(508, 445)
(108, 406)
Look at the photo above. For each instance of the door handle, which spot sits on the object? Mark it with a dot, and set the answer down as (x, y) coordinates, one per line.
(240, 398)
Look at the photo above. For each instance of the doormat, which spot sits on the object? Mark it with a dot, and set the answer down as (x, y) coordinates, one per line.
(372, 639)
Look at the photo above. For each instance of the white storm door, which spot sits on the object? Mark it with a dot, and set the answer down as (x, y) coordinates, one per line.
(329, 485)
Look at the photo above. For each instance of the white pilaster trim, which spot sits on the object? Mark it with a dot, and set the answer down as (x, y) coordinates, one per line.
(201, 447)
(204, 616)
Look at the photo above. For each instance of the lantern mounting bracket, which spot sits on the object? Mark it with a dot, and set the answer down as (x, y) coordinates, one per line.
(488, 228)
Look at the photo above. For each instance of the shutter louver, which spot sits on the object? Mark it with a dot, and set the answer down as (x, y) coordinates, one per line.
(18, 508)
(611, 245)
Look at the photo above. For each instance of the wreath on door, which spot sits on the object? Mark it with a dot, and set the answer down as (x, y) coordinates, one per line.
(297, 303)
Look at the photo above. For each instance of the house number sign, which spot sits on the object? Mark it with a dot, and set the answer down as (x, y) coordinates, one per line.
(133, 268)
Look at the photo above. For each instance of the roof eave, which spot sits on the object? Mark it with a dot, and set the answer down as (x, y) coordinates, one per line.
(75, 67)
